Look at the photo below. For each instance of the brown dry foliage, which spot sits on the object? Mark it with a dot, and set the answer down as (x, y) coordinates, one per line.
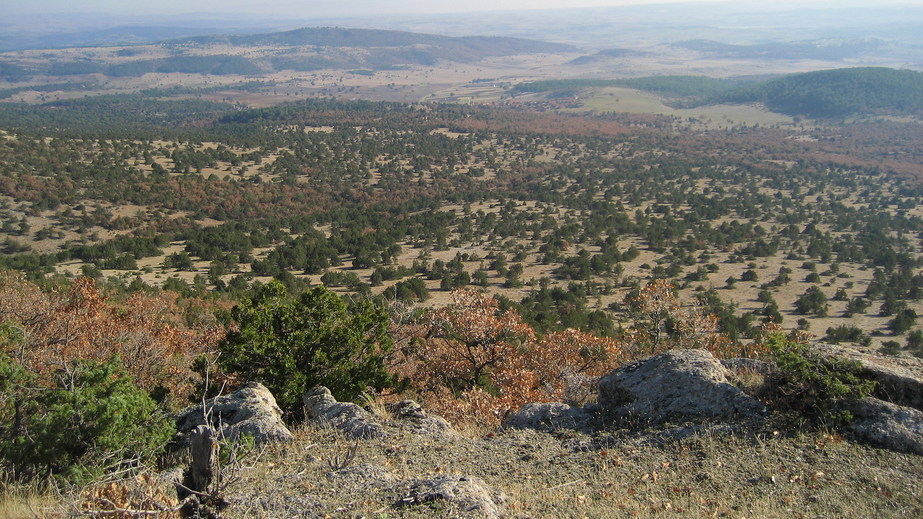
(58, 328)
(472, 361)
(142, 496)
(657, 305)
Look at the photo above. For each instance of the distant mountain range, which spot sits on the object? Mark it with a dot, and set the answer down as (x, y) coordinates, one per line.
(481, 46)
(827, 50)
(301, 49)
(122, 35)
(818, 49)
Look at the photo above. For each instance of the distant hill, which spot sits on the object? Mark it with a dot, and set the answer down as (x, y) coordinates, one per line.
(837, 92)
(124, 35)
(300, 49)
(606, 55)
(820, 49)
(454, 48)
(820, 94)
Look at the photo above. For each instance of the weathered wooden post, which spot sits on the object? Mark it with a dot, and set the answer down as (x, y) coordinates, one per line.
(204, 450)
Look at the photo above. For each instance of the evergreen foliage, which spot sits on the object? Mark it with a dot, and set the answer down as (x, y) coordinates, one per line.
(903, 321)
(825, 93)
(94, 418)
(292, 343)
(838, 92)
(813, 301)
(812, 384)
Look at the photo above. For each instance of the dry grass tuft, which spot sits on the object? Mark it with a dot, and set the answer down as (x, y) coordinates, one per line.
(142, 496)
(28, 500)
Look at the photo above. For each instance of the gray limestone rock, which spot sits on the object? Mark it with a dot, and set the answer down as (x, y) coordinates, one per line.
(900, 379)
(467, 496)
(739, 365)
(674, 385)
(250, 411)
(409, 414)
(549, 416)
(323, 410)
(887, 425)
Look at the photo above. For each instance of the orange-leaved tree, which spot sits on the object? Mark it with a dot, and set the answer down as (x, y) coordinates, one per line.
(662, 322)
(52, 334)
(475, 360)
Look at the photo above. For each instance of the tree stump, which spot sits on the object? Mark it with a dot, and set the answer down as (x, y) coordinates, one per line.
(198, 482)
(204, 450)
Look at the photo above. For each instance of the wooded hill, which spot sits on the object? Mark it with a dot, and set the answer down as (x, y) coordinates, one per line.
(820, 94)
(684, 87)
(838, 92)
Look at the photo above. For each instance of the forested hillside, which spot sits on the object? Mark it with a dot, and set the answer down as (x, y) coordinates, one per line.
(690, 89)
(821, 94)
(840, 92)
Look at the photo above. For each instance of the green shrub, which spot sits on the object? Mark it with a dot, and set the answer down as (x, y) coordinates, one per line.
(812, 384)
(903, 321)
(813, 301)
(290, 344)
(96, 418)
(915, 342)
(890, 348)
(844, 333)
(856, 305)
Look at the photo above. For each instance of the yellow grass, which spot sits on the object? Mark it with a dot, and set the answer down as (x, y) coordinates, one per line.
(613, 99)
(27, 501)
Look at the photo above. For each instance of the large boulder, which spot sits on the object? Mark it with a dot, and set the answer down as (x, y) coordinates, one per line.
(324, 410)
(549, 416)
(674, 385)
(887, 425)
(465, 496)
(250, 411)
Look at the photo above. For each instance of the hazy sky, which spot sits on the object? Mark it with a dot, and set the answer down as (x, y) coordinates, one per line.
(330, 8)
(321, 7)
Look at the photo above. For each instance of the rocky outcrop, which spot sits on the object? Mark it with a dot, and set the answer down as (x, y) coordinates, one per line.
(900, 379)
(410, 415)
(322, 409)
(549, 416)
(674, 385)
(887, 425)
(250, 411)
(467, 496)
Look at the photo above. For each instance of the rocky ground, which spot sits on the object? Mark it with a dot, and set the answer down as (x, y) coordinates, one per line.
(669, 436)
(761, 470)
